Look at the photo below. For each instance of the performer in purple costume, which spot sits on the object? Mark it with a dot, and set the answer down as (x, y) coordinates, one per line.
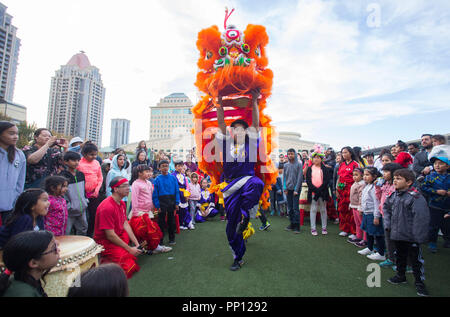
(208, 201)
(185, 216)
(241, 196)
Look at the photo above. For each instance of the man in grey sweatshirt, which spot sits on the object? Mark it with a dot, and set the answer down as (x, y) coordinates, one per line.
(292, 184)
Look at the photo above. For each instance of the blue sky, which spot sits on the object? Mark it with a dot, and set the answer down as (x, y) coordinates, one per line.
(359, 72)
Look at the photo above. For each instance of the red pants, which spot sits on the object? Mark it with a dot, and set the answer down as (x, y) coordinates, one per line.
(346, 221)
(146, 230)
(331, 209)
(114, 253)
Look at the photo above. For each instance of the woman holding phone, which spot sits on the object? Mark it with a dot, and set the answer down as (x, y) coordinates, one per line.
(44, 157)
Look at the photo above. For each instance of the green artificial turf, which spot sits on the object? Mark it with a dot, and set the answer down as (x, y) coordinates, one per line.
(278, 263)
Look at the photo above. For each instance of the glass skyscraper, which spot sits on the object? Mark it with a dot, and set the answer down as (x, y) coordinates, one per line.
(9, 55)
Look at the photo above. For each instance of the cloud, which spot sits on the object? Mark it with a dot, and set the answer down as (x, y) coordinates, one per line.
(331, 68)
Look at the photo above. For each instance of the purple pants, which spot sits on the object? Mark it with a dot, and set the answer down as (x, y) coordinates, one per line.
(238, 202)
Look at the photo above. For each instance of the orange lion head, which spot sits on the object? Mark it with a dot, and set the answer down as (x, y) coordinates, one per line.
(233, 62)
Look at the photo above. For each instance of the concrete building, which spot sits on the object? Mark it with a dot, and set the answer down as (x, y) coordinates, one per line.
(15, 111)
(120, 132)
(77, 98)
(171, 114)
(9, 55)
(182, 143)
(288, 140)
(377, 150)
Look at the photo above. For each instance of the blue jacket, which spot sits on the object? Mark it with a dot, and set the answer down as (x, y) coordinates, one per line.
(433, 183)
(12, 179)
(165, 185)
(23, 223)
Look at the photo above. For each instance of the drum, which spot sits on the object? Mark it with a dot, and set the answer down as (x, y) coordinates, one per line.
(304, 206)
(77, 254)
(304, 198)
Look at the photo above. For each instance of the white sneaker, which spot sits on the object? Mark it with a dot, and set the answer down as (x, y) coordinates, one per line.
(162, 249)
(352, 236)
(183, 228)
(365, 251)
(343, 234)
(377, 257)
(191, 226)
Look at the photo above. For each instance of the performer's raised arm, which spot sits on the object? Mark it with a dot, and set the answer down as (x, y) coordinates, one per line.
(221, 117)
(255, 109)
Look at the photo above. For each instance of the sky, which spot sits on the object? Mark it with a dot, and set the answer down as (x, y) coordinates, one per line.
(359, 73)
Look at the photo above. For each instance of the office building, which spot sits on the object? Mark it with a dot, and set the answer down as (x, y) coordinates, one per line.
(9, 55)
(77, 97)
(120, 132)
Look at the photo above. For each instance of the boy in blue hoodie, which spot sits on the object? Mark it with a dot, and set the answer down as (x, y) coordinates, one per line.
(436, 186)
(166, 198)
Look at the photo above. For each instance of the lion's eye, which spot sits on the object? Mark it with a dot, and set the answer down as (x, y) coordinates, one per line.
(223, 51)
(209, 55)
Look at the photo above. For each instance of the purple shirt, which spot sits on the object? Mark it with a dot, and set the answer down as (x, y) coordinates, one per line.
(239, 160)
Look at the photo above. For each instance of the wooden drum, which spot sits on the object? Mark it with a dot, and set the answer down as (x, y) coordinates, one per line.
(304, 198)
(77, 254)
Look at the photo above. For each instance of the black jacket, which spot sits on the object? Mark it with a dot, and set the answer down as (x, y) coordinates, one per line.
(322, 191)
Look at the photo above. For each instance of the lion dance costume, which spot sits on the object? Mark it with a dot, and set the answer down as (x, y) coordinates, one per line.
(232, 63)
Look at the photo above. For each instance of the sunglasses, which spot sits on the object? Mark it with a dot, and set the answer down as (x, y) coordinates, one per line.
(53, 250)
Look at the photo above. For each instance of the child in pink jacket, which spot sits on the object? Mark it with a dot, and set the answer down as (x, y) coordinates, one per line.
(355, 207)
(92, 171)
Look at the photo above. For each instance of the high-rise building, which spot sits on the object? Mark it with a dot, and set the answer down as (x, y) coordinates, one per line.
(9, 55)
(77, 98)
(120, 132)
(171, 114)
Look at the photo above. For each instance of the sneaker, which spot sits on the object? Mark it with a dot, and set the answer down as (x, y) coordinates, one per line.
(183, 228)
(353, 241)
(386, 263)
(409, 269)
(421, 290)
(324, 231)
(296, 229)
(262, 228)
(397, 280)
(289, 228)
(361, 244)
(314, 232)
(352, 236)
(376, 257)
(336, 221)
(191, 226)
(343, 234)
(222, 218)
(236, 265)
(365, 251)
(432, 247)
(162, 249)
(172, 242)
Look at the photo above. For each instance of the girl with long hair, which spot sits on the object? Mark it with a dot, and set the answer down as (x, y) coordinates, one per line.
(28, 256)
(13, 169)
